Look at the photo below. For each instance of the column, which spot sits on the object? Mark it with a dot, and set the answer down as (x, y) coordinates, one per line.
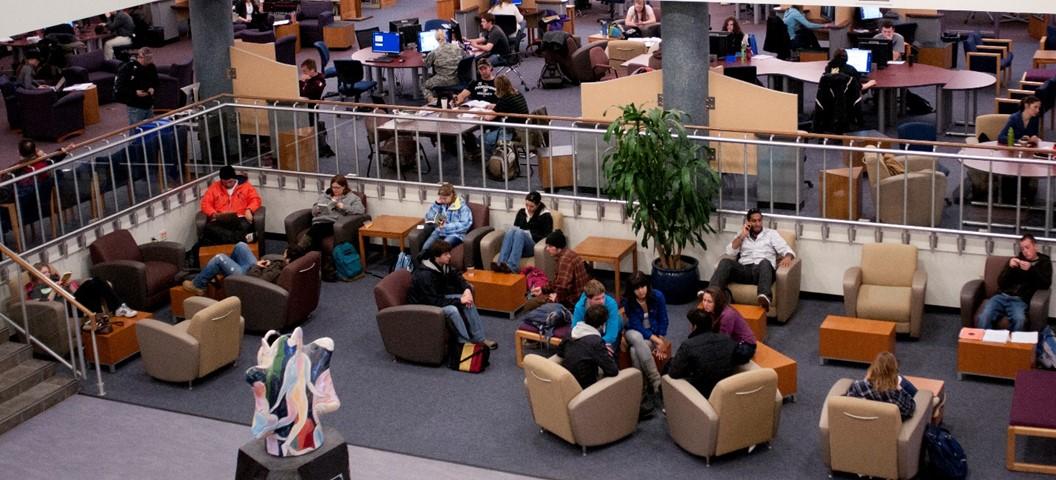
(210, 39)
(685, 46)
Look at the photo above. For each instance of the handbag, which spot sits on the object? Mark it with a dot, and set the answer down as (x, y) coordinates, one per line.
(101, 324)
(468, 357)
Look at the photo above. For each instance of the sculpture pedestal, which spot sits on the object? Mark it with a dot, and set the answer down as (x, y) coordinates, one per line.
(328, 462)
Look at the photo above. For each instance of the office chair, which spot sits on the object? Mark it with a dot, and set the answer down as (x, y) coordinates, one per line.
(324, 59)
(350, 81)
(924, 131)
(438, 23)
(508, 24)
(466, 74)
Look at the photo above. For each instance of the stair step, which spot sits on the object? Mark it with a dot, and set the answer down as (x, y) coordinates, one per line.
(12, 354)
(35, 400)
(23, 376)
(5, 333)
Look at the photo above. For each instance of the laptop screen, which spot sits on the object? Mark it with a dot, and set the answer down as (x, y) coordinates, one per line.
(860, 59)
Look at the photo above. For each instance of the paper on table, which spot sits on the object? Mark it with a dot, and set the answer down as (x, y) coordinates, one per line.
(762, 56)
(996, 336)
(1025, 337)
(896, 62)
(968, 333)
(477, 104)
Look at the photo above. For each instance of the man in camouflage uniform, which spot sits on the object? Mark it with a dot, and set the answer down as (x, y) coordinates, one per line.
(444, 62)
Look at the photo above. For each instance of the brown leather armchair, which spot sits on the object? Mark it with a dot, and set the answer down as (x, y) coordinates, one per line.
(141, 274)
(466, 254)
(975, 294)
(582, 68)
(413, 333)
(786, 285)
(193, 348)
(346, 229)
(284, 304)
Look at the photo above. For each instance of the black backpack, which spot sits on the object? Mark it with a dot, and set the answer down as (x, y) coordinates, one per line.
(123, 88)
(552, 76)
(547, 318)
(943, 456)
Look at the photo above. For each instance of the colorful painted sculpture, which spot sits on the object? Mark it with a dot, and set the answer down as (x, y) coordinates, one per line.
(292, 387)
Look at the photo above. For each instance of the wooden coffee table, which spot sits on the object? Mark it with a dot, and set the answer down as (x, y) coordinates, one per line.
(854, 339)
(386, 227)
(609, 250)
(937, 387)
(1044, 57)
(116, 346)
(988, 359)
(497, 292)
(756, 318)
(785, 367)
(208, 252)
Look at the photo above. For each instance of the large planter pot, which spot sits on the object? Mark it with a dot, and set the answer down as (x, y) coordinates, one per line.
(679, 286)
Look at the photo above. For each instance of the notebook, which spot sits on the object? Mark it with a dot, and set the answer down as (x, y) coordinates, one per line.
(996, 336)
(971, 333)
(1025, 337)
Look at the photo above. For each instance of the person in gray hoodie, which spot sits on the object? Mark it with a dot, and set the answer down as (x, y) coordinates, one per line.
(335, 202)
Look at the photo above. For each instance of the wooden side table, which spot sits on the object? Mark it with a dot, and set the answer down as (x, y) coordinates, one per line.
(118, 345)
(1044, 57)
(178, 294)
(854, 339)
(340, 35)
(937, 387)
(386, 227)
(497, 292)
(839, 184)
(91, 105)
(786, 368)
(609, 250)
(756, 318)
(988, 359)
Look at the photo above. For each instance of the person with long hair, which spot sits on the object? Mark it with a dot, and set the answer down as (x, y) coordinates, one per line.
(334, 203)
(727, 321)
(1024, 123)
(838, 64)
(639, 15)
(646, 311)
(882, 383)
(532, 224)
(733, 27)
(509, 100)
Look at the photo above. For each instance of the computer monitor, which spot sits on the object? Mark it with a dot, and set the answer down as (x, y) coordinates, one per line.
(427, 40)
(408, 29)
(870, 13)
(456, 31)
(881, 49)
(719, 44)
(386, 42)
(861, 60)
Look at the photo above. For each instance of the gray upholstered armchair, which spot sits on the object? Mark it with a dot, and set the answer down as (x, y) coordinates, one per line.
(786, 285)
(284, 304)
(141, 274)
(492, 243)
(414, 333)
(887, 286)
(870, 438)
(744, 410)
(193, 348)
(975, 293)
(48, 321)
(918, 191)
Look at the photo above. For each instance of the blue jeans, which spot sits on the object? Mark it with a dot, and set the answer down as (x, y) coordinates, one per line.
(1003, 304)
(136, 115)
(452, 240)
(516, 244)
(472, 321)
(492, 137)
(241, 260)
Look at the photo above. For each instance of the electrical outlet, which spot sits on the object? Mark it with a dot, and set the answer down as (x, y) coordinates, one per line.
(163, 235)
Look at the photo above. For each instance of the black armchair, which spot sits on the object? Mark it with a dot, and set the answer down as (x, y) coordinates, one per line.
(47, 117)
(92, 67)
(286, 50)
(313, 16)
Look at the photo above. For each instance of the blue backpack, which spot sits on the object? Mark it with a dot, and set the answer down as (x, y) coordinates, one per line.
(944, 456)
(346, 261)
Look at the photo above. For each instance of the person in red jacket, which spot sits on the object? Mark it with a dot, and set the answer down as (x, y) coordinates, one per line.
(229, 204)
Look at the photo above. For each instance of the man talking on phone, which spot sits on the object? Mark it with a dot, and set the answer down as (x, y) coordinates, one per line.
(759, 252)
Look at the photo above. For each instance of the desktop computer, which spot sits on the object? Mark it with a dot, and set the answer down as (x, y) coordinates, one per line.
(880, 48)
(427, 40)
(861, 60)
(408, 29)
(387, 43)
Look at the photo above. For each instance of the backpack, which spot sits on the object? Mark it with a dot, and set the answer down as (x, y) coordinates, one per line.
(503, 165)
(548, 318)
(123, 88)
(468, 357)
(552, 76)
(403, 261)
(1046, 350)
(347, 262)
(917, 105)
(943, 456)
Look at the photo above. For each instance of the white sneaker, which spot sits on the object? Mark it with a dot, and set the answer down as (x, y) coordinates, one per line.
(124, 311)
(249, 237)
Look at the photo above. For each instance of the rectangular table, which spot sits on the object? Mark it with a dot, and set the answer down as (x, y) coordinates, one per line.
(386, 227)
(755, 316)
(497, 292)
(1044, 57)
(118, 345)
(609, 250)
(854, 339)
(937, 387)
(988, 359)
(786, 368)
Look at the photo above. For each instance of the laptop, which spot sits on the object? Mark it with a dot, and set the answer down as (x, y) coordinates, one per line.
(58, 85)
(226, 218)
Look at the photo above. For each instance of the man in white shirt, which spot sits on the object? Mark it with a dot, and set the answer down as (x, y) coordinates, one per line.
(757, 250)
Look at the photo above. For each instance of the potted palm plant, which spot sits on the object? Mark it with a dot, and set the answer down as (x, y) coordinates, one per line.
(670, 190)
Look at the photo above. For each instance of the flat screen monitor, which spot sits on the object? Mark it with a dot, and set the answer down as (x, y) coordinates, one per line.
(427, 40)
(870, 13)
(386, 42)
(881, 49)
(719, 43)
(861, 60)
(408, 29)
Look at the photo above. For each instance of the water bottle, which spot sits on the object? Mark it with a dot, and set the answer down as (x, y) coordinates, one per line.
(744, 54)
(1011, 137)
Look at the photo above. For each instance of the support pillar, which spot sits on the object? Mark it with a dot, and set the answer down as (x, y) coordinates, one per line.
(211, 36)
(686, 52)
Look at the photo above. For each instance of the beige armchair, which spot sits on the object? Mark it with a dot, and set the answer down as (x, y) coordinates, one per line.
(743, 410)
(48, 321)
(786, 285)
(602, 413)
(989, 124)
(869, 437)
(491, 244)
(887, 286)
(193, 348)
(915, 196)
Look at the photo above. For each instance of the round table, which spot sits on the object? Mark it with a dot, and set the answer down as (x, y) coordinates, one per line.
(1016, 169)
(407, 59)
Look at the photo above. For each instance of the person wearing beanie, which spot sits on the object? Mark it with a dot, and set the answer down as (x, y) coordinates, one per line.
(229, 205)
(571, 272)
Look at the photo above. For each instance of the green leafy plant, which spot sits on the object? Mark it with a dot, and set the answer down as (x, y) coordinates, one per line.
(665, 178)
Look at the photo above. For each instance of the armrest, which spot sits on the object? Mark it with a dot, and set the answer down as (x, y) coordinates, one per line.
(326, 18)
(193, 305)
(607, 410)
(998, 42)
(169, 353)
(112, 66)
(1021, 92)
(346, 229)
(838, 389)
(199, 223)
(912, 434)
(1039, 309)
(75, 75)
(971, 295)
(786, 289)
(128, 277)
(1030, 84)
(852, 280)
(471, 256)
(490, 245)
(297, 222)
(263, 303)
(916, 299)
(168, 252)
(992, 49)
(416, 238)
(70, 101)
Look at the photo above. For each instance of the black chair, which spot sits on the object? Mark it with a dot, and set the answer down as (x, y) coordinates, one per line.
(508, 24)
(777, 40)
(286, 50)
(436, 23)
(466, 75)
(350, 81)
(744, 73)
(365, 38)
(838, 104)
(256, 36)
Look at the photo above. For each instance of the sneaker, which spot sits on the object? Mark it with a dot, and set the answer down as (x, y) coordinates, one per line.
(189, 286)
(249, 237)
(492, 344)
(764, 302)
(124, 311)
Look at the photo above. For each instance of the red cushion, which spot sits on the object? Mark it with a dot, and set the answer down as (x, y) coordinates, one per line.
(1033, 403)
(1039, 74)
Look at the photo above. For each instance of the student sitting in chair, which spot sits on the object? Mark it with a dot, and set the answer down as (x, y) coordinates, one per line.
(583, 353)
(228, 205)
